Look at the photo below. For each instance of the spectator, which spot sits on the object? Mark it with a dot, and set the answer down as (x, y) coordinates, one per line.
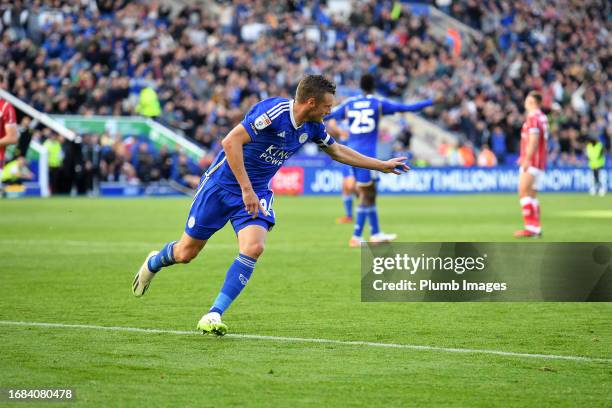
(91, 156)
(144, 163)
(486, 157)
(26, 132)
(149, 103)
(164, 163)
(55, 158)
(597, 161)
(183, 174)
(498, 144)
(466, 154)
(16, 171)
(403, 140)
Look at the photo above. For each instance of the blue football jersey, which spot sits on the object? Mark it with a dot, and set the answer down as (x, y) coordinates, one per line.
(363, 113)
(275, 137)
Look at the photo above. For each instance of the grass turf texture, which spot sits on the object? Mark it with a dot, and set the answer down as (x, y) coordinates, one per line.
(72, 261)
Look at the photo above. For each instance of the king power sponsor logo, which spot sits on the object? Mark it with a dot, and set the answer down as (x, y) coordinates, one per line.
(274, 155)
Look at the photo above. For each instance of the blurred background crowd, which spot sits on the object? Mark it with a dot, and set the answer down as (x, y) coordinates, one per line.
(198, 71)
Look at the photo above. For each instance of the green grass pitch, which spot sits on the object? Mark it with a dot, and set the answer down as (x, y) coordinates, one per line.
(71, 261)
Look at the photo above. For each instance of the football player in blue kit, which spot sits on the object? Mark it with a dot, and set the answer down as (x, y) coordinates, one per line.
(236, 187)
(364, 113)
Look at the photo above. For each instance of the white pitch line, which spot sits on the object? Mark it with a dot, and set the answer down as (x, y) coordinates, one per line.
(315, 340)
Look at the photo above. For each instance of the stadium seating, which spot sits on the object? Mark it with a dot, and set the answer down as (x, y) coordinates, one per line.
(206, 65)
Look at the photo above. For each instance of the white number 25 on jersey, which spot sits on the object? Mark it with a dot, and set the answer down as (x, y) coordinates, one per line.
(362, 121)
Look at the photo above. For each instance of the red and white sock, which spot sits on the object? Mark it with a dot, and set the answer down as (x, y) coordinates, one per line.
(530, 215)
(536, 206)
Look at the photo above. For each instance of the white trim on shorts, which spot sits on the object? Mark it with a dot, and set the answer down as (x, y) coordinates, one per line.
(538, 176)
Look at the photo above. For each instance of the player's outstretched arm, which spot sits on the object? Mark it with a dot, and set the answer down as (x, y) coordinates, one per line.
(232, 145)
(346, 155)
(389, 107)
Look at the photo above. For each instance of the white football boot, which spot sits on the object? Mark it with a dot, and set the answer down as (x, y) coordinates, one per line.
(143, 277)
(382, 237)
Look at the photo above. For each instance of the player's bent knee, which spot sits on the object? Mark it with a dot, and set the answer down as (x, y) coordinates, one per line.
(252, 249)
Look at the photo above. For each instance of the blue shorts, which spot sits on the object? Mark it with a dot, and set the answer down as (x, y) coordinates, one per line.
(347, 171)
(213, 207)
(365, 176)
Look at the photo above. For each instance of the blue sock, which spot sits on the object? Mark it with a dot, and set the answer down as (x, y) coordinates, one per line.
(348, 204)
(165, 257)
(373, 219)
(236, 279)
(362, 212)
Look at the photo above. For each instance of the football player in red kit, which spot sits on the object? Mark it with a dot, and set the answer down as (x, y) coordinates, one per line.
(532, 161)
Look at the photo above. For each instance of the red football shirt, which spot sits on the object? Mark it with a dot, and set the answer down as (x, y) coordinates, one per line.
(7, 117)
(536, 123)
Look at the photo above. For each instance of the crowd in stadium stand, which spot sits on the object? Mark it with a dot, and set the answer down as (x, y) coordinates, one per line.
(200, 70)
(81, 167)
(560, 48)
